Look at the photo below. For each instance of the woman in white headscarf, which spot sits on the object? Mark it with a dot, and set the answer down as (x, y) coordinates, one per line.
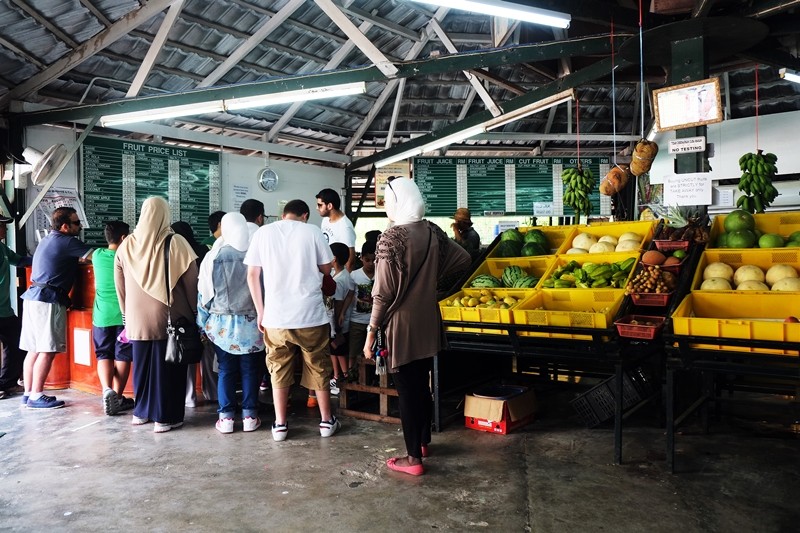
(140, 276)
(412, 256)
(227, 315)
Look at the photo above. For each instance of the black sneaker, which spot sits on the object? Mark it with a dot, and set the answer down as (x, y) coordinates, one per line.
(126, 404)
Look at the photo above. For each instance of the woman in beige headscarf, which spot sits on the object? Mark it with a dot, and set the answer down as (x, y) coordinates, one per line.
(141, 280)
(412, 256)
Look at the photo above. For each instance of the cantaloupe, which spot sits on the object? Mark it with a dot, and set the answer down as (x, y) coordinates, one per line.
(716, 284)
(601, 248)
(752, 285)
(718, 270)
(747, 273)
(627, 245)
(584, 240)
(778, 272)
(787, 284)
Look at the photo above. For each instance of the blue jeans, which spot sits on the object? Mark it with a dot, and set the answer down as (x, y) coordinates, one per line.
(230, 365)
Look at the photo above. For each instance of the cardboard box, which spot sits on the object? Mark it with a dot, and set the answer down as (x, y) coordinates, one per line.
(499, 416)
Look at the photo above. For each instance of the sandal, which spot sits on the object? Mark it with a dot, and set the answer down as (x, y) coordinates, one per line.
(412, 470)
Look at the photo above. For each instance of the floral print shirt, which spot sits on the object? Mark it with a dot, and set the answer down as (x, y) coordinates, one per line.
(236, 334)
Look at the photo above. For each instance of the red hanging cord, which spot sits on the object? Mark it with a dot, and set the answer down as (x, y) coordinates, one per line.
(578, 128)
(756, 106)
(613, 95)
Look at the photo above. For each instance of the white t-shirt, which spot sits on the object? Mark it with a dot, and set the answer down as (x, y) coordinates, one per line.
(362, 300)
(344, 284)
(252, 228)
(289, 253)
(340, 231)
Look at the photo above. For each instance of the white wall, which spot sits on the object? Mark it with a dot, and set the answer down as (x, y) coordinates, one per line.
(295, 181)
(734, 138)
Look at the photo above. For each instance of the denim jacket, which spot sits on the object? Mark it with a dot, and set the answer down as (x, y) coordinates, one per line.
(232, 296)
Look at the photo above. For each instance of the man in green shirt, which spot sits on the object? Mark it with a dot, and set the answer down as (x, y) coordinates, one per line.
(112, 350)
(10, 325)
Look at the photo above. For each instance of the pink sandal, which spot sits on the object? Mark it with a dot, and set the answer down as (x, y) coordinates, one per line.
(412, 470)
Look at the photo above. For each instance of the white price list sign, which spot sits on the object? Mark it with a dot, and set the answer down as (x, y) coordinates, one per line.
(543, 209)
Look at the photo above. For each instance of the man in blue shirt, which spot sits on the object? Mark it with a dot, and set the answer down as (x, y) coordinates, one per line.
(44, 314)
(10, 325)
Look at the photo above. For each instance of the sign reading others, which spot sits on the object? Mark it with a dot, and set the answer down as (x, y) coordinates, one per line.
(688, 189)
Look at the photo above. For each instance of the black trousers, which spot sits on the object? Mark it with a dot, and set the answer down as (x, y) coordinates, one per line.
(12, 357)
(159, 386)
(416, 405)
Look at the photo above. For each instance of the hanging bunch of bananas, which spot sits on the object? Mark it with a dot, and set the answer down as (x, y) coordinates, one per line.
(579, 183)
(756, 181)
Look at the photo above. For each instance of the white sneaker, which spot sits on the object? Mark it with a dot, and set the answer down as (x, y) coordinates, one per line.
(279, 432)
(251, 424)
(225, 425)
(327, 428)
(334, 387)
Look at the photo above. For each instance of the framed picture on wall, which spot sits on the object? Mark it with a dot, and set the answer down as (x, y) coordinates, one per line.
(688, 105)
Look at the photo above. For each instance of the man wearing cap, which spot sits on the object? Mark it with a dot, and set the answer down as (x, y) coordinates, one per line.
(464, 234)
(10, 325)
(44, 313)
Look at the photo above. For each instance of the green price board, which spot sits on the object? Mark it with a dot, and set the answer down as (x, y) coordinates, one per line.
(529, 186)
(118, 175)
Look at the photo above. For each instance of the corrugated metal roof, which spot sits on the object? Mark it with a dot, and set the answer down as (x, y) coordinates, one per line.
(35, 34)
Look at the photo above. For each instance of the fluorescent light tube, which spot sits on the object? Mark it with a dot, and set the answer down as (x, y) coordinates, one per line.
(399, 157)
(789, 75)
(541, 105)
(452, 138)
(511, 10)
(300, 95)
(166, 112)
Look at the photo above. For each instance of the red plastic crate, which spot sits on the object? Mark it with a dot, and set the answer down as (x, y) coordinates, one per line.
(639, 331)
(665, 245)
(651, 298)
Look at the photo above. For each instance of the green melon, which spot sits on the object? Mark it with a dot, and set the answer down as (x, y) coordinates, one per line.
(511, 274)
(527, 282)
(508, 248)
(486, 281)
(512, 234)
(538, 236)
(533, 248)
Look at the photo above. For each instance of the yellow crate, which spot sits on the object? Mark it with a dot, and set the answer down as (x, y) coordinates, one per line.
(784, 223)
(763, 258)
(581, 259)
(479, 314)
(739, 315)
(574, 308)
(558, 237)
(643, 228)
(534, 266)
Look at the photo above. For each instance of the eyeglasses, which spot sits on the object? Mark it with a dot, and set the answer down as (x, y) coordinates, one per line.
(75, 222)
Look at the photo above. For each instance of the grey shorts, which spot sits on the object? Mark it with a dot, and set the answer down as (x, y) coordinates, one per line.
(44, 327)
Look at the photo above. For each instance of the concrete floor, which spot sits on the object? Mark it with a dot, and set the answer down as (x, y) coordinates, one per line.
(75, 469)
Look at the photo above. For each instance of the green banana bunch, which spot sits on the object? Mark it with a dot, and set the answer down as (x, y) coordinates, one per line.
(756, 182)
(578, 184)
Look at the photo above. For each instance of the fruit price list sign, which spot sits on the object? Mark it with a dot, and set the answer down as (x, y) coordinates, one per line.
(118, 175)
(503, 185)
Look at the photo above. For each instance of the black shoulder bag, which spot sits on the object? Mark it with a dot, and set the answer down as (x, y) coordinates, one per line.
(184, 346)
(379, 346)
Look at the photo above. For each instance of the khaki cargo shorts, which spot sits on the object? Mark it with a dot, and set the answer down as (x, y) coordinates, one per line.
(314, 346)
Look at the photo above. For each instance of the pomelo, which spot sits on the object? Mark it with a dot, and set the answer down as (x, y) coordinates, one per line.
(771, 240)
(722, 240)
(793, 244)
(744, 238)
(795, 236)
(739, 220)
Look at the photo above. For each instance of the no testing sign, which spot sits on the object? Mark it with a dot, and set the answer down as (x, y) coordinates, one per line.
(688, 145)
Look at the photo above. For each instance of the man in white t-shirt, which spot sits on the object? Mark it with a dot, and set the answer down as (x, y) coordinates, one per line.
(335, 225)
(293, 256)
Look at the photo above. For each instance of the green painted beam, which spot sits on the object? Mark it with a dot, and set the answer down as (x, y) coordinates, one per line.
(599, 45)
(585, 75)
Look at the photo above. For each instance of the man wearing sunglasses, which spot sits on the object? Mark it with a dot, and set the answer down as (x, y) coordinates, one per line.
(44, 312)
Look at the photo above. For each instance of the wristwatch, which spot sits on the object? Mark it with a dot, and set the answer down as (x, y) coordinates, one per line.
(370, 328)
